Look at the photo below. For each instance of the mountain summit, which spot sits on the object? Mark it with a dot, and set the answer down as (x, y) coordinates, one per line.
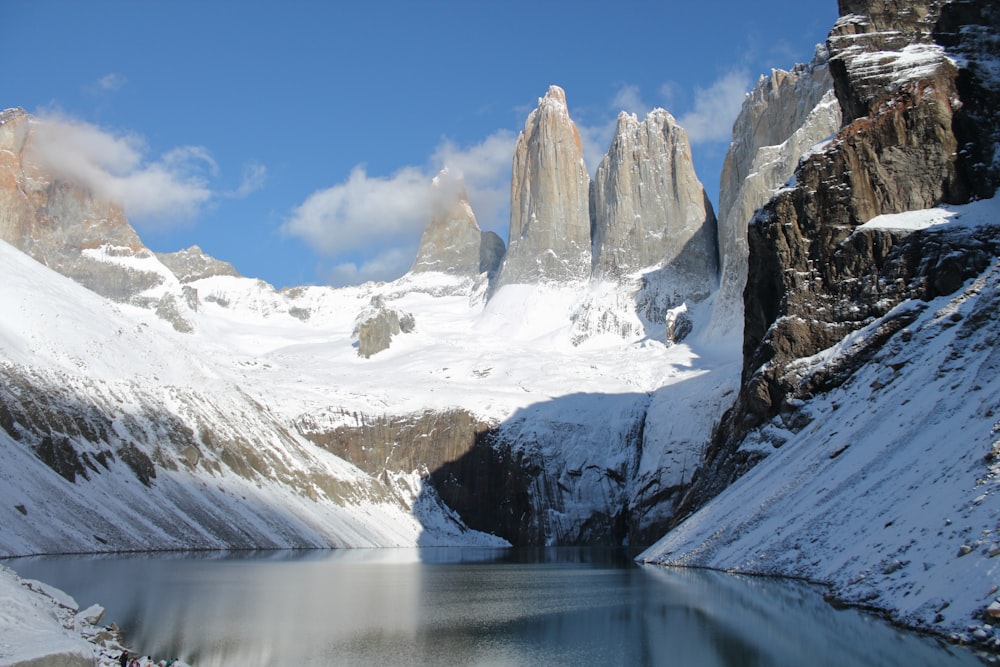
(549, 199)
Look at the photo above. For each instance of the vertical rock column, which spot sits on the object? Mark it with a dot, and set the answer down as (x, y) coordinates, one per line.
(650, 209)
(785, 115)
(549, 200)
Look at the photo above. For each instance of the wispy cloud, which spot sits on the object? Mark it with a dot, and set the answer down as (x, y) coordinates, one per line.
(169, 189)
(254, 175)
(163, 191)
(384, 216)
(628, 98)
(392, 262)
(716, 107)
(109, 83)
(485, 167)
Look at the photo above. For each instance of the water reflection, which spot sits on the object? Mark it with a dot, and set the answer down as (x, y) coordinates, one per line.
(471, 607)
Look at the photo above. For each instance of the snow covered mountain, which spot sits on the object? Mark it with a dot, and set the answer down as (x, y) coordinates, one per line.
(152, 402)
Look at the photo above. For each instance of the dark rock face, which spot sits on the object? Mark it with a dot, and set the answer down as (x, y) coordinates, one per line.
(506, 479)
(783, 117)
(813, 276)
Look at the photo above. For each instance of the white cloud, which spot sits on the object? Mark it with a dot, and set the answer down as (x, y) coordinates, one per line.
(167, 190)
(485, 168)
(385, 216)
(385, 265)
(254, 175)
(628, 98)
(715, 108)
(109, 83)
(364, 212)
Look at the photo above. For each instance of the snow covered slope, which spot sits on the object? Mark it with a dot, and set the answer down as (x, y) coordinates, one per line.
(889, 485)
(123, 430)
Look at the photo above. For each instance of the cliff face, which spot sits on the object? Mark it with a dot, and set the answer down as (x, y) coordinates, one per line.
(452, 241)
(549, 199)
(57, 222)
(785, 115)
(649, 207)
(548, 475)
(814, 274)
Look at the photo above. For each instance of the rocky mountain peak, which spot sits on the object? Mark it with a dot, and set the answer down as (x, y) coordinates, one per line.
(550, 209)
(816, 273)
(650, 209)
(452, 241)
(784, 116)
(192, 264)
(877, 47)
(61, 223)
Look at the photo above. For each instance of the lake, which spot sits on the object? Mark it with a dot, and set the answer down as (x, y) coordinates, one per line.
(470, 607)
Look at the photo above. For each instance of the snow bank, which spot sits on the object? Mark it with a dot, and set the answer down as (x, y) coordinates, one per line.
(42, 625)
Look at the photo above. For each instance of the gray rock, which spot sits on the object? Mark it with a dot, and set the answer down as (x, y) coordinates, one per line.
(378, 324)
(550, 203)
(56, 221)
(784, 115)
(192, 264)
(650, 209)
(169, 308)
(452, 241)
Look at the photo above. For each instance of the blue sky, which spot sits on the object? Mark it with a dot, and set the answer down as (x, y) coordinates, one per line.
(296, 139)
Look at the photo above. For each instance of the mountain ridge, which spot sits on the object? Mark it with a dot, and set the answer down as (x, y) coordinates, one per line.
(551, 406)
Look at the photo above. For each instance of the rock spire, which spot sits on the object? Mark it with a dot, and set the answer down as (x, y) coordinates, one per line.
(549, 200)
(452, 241)
(650, 209)
(784, 115)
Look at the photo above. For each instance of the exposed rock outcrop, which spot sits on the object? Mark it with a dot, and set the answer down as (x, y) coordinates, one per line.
(814, 276)
(784, 115)
(549, 201)
(377, 325)
(192, 264)
(58, 222)
(452, 241)
(546, 476)
(650, 209)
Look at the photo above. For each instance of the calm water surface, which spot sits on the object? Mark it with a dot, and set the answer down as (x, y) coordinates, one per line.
(470, 607)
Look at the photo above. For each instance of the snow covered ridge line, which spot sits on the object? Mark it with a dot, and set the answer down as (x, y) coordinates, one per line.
(42, 625)
(887, 487)
(985, 213)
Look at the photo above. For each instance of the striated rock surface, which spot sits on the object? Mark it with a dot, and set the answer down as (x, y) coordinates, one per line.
(192, 264)
(784, 116)
(548, 475)
(58, 222)
(815, 276)
(452, 241)
(549, 201)
(650, 209)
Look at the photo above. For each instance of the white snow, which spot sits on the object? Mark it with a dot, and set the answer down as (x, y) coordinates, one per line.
(42, 625)
(891, 492)
(911, 485)
(985, 212)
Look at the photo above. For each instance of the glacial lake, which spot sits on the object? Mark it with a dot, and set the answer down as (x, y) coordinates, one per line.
(470, 607)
